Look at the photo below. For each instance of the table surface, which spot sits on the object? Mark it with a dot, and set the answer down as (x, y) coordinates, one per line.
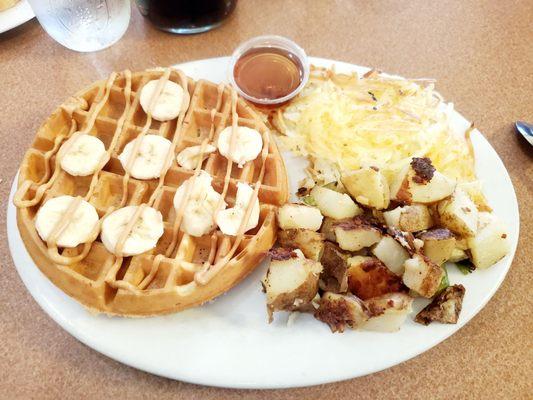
(481, 54)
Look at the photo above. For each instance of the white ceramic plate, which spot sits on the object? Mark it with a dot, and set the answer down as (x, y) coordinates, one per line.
(15, 16)
(229, 343)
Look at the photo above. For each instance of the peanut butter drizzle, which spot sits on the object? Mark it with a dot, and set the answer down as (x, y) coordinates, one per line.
(59, 228)
(52, 251)
(111, 276)
(223, 248)
(157, 92)
(181, 209)
(232, 143)
(205, 275)
(220, 92)
(175, 139)
(57, 143)
(122, 284)
(212, 249)
(61, 225)
(190, 184)
(153, 271)
(116, 136)
(67, 217)
(119, 247)
(229, 167)
(64, 221)
(52, 248)
(221, 253)
(166, 166)
(179, 216)
(208, 272)
(44, 183)
(42, 186)
(101, 103)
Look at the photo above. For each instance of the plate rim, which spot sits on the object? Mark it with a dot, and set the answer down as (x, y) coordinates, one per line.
(13, 234)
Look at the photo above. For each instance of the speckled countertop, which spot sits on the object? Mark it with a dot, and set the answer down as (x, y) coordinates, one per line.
(481, 53)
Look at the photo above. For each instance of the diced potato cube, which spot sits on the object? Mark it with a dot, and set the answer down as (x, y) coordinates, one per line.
(399, 187)
(415, 218)
(412, 218)
(334, 276)
(438, 188)
(353, 235)
(311, 243)
(438, 245)
(299, 216)
(367, 186)
(418, 182)
(391, 253)
(388, 312)
(340, 311)
(490, 244)
(459, 214)
(422, 275)
(291, 281)
(444, 308)
(392, 217)
(368, 277)
(334, 204)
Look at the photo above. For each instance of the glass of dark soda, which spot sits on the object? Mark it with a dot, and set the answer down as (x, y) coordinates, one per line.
(186, 16)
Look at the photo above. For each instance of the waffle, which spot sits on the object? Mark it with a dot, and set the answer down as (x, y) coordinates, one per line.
(165, 279)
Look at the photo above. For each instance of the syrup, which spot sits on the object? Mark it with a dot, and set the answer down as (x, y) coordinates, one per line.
(268, 73)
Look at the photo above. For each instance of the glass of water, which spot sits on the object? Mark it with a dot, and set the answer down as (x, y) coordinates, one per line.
(83, 25)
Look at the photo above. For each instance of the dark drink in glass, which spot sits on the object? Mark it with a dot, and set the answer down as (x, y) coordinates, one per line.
(186, 16)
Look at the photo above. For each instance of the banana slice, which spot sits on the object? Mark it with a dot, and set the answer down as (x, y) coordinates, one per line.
(150, 157)
(77, 231)
(198, 215)
(230, 220)
(248, 144)
(144, 235)
(189, 157)
(168, 104)
(83, 155)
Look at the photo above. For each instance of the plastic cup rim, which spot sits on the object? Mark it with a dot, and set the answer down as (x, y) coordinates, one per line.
(269, 41)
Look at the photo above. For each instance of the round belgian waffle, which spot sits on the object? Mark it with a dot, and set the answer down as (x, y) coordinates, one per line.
(132, 286)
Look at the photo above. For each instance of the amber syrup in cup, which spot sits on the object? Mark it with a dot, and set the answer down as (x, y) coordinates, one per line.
(269, 70)
(268, 73)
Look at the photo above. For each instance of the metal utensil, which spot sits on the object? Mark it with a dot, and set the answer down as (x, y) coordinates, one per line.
(526, 130)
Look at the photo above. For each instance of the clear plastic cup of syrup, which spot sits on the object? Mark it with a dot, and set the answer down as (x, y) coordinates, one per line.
(268, 70)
